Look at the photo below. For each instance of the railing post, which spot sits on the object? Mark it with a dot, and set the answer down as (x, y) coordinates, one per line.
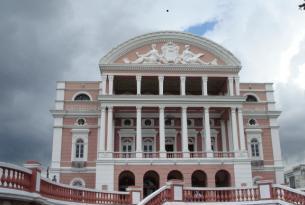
(36, 175)
(265, 189)
(135, 193)
(176, 187)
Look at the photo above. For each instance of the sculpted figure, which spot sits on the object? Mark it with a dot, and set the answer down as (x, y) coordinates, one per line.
(188, 57)
(151, 56)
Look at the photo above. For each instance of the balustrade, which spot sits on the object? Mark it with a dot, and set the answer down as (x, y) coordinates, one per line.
(173, 154)
(220, 194)
(14, 178)
(67, 193)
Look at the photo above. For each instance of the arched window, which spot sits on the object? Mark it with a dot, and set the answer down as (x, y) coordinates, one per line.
(150, 182)
(222, 178)
(82, 97)
(199, 179)
(251, 98)
(175, 174)
(79, 149)
(78, 182)
(255, 148)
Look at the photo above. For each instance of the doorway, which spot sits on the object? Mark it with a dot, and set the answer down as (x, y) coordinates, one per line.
(150, 182)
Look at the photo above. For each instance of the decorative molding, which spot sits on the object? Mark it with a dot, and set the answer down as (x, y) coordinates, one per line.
(174, 68)
(170, 55)
(170, 36)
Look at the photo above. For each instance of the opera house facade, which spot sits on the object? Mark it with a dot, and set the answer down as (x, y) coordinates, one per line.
(169, 105)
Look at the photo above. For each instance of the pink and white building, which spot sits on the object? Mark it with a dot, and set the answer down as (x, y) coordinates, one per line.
(170, 105)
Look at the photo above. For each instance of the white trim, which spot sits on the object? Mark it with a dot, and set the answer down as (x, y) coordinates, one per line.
(165, 36)
(255, 134)
(81, 92)
(57, 142)
(253, 94)
(78, 179)
(16, 167)
(79, 134)
(147, 126)
(131, 122)
(78, 125)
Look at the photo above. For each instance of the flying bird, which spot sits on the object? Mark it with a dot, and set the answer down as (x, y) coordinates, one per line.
(302, 6)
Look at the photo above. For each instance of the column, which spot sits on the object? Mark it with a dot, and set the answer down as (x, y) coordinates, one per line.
(185, 149)
(139, 132)
(182, 85)
(207, 130)
(138, 77)
(102, 130)
(110, 87)
(241, 130)
(223, 136)
(109, 130)
(104, 79)
(204, 85)
(237, 89)
(234, 129)
(229, 133)
(161, 132)
(231, 87)
(161, 80)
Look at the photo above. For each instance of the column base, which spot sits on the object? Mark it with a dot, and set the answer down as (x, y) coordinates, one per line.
(186, 155)
(241, 154)
(162, 154)
(139, 155)
(210, 154)
(105, 155)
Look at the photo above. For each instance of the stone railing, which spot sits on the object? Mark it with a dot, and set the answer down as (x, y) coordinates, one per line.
(264, 193)
(287, 194)
(223, 194)
(14, 177)
(33, 187)
(173, 154)
(27, 184)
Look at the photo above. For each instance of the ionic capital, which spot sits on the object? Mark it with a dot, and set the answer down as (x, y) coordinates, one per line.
(138, 77)
(110, 77)
(161, 77)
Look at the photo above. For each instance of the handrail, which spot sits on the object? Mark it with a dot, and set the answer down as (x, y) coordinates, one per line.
(288, 194)
(64, 192)
(224, 194)
(14, 177)
(156, 197)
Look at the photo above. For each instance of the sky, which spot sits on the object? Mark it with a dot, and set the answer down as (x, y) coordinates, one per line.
(46, 41)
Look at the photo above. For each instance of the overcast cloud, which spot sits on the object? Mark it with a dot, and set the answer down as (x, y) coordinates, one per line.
(45, 41)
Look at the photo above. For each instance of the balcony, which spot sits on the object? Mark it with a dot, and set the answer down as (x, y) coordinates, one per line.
(171, 100)
(170, 155)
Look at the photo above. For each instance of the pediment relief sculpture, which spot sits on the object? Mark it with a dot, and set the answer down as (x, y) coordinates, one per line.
(170, 55)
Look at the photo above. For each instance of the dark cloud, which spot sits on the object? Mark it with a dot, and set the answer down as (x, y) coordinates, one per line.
(44, 41)
(291, 121)
(36, 48)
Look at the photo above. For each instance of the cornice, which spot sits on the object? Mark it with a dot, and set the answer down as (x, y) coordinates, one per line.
(172, 101)
(169, 68)
(270, 114)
